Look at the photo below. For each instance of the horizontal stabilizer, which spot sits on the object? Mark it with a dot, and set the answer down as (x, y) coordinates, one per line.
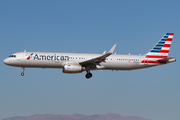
(168, 60)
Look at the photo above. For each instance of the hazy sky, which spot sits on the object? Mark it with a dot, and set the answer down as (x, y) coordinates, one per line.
(89, 26)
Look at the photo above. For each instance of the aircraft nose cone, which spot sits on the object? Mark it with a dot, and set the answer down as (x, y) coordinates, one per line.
(5, 61)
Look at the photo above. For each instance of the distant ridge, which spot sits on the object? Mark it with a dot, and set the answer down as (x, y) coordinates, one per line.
(110, 116)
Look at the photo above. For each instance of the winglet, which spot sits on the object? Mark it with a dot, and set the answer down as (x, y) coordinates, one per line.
(112, 49)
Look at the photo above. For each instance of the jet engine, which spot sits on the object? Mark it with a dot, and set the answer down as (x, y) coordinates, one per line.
(72, 68)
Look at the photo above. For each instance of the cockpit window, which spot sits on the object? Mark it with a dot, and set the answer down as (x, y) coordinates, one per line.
(12, 56)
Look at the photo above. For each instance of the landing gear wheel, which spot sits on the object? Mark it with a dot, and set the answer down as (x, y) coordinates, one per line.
(23, 68)
(22, 74)
(88, 75)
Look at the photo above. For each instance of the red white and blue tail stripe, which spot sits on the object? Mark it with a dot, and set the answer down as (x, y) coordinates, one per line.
(160, 50)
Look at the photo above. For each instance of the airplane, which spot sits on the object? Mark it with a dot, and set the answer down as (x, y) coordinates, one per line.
(78, 62)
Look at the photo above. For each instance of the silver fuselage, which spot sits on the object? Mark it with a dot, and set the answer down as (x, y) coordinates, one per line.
(58, 60)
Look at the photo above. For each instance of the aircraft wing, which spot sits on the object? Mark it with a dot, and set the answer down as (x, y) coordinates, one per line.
(99, 59)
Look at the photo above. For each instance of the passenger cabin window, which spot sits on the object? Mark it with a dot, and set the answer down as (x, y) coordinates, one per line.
(12, 56)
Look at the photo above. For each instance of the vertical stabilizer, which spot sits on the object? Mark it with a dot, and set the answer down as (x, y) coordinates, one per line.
(161, 49)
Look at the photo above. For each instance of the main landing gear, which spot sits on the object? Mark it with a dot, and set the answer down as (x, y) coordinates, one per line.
(22, 74)
(88, 75)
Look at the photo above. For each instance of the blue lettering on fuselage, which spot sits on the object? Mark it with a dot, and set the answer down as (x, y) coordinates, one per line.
(51, 57)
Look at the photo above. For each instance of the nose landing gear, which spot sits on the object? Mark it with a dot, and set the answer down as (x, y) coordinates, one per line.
(22, 74)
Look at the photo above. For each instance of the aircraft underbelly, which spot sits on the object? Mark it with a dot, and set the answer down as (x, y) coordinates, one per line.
(39, 64)
(121, 65)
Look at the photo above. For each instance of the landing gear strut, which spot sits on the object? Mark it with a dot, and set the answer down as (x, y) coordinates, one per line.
(88, 75)
(22, 74)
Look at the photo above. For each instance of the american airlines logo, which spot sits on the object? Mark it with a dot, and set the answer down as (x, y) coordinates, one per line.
(51, 57)
(30, 56)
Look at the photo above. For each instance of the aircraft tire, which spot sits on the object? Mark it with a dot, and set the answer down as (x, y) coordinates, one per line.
(88, 75)
(22, 74)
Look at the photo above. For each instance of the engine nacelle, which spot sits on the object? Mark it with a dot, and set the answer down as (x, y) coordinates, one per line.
(72, 69)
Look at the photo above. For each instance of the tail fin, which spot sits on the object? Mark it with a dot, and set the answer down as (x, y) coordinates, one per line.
(161, 49)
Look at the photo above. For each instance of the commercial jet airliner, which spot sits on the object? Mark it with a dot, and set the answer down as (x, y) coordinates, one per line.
(79, 62)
